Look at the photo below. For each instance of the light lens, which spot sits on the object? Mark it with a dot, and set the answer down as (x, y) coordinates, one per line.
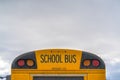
(30, 63)
(86, 63)
(21, 63)
(95, 63)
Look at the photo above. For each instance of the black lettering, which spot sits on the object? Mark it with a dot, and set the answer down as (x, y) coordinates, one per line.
(74, 58)
(50, 58)
(53, 59)
(46, 59)
(60, 59)
(66, 59)
(57, 58)
(70, 58)
(42, 58)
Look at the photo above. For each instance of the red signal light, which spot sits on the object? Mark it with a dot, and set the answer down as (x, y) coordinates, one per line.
(95, 63)
(21, 63)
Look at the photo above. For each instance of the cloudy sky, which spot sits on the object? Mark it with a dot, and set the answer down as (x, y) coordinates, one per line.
(89, 25)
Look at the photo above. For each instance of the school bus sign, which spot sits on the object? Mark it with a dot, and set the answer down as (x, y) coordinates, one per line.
(61, 60)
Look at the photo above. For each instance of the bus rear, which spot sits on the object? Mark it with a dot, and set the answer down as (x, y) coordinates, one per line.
(58, 64)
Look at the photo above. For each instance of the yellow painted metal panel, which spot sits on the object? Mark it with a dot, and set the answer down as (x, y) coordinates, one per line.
(86, 77)
(96, 77)
(30, 77)
(102, 71)
(58, 59)
(20, 77)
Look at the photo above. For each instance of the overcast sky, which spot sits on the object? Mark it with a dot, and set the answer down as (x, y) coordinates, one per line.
(89, 25)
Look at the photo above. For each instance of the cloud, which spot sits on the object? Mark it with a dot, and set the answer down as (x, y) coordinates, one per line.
(4, 68)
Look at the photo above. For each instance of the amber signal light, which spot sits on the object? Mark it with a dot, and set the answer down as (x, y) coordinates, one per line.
(30, 63)
(86, 63)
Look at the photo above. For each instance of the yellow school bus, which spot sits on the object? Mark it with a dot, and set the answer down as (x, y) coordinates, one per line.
(58, 64)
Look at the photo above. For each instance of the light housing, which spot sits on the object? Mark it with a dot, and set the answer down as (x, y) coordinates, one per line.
(23, 64)
(95, 61)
